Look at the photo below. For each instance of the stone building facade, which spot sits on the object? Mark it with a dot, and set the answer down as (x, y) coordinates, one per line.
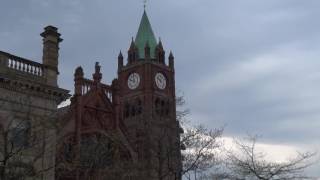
(29, 96)
(125, 130)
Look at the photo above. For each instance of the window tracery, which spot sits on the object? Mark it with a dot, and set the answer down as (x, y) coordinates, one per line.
(133, 109)
(101, 146)
(162, 107)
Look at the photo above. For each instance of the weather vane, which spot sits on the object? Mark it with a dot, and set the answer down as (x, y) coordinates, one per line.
(144, 4)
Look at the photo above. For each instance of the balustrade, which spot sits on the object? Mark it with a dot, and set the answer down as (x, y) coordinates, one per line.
(107, 91)
(23, 65)
(87, 85)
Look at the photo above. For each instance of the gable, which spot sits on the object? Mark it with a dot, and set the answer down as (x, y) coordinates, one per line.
(97, 111)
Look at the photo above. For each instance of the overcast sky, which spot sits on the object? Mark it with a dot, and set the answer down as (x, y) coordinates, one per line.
(252, 65)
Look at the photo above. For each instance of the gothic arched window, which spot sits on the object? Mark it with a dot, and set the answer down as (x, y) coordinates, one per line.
(133, 111)
(139, 106)
(167, 108)
(96, 151)
(127, 110)
(163, 107)
(157, 105)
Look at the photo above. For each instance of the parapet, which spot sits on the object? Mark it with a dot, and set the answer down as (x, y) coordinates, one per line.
(27, 76)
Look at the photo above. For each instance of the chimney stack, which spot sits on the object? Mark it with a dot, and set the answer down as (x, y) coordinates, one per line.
(78, 78)
(51, 40)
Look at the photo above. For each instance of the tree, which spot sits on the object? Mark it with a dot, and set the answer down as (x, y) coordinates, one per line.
(202, 149)
(199, 145)
(200, 154)
(245, 162)
(24, 140)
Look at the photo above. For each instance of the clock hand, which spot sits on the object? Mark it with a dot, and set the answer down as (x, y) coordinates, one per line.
(132, 79)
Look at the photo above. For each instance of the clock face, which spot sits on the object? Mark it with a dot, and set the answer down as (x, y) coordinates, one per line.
(161, 81)
(133, 80)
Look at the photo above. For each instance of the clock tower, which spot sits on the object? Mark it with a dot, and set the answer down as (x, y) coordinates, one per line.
(147, 105)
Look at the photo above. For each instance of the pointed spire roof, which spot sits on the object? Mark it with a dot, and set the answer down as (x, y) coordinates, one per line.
(160, 46)
(145, 35)
(132, 45)
(171, 55)
(120, 55)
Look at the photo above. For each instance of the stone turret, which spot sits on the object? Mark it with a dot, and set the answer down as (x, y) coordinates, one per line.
(160, 53)
(132, 52)
(120, 61)
(51, 40)
(171, 60)
(78, 77)
(97, 75)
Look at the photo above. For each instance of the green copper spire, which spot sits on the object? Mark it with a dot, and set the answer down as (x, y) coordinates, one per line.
(145, 34)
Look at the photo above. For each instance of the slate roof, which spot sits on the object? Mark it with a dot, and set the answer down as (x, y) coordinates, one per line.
(145, 35)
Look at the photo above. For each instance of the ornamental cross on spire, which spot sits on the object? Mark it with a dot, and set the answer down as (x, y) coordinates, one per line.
(144, 4)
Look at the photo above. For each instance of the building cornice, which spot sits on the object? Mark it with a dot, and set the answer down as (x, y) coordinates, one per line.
(35, 89)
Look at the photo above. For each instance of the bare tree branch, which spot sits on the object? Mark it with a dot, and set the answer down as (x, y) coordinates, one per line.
(247, 163)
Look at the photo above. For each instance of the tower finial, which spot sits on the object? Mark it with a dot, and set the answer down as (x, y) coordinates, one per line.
(97, 76)
(144, 4)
